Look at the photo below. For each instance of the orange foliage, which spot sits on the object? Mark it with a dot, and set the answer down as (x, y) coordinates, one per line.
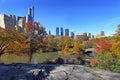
(93, 63)
(65, 49)
(76, 47)
(11, 41)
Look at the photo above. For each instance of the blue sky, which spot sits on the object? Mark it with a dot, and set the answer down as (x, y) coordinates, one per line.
(91, 16)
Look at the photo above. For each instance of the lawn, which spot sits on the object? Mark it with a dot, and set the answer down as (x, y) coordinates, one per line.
(39, 58)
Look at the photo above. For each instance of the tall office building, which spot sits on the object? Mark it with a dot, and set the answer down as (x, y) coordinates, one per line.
(66, 32)
(85, 34)
(72, 34)
(7, 21)
(49, 32)
(89, 35)
(21, 23)
(30, 15)
(102, 33)
(62, 31)
(14, 20)
(57, 31)
(93, 36)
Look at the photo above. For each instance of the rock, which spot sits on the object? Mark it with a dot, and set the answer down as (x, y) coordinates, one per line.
(54, 72)
(70, 61)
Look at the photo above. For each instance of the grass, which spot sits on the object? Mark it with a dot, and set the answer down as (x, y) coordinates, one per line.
(12, 58)
(39, 58)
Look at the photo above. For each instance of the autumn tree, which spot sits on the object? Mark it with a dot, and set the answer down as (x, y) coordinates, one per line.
(64, 44)
(64, 41)
(82, 38)
(118, 30)
(77, 47)
(11, 42)
(35, 37)
(108, 56)
(115, 49)
(103, 45)
(51, 43)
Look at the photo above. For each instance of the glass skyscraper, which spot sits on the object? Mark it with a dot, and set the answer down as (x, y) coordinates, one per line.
(72, 35)
(66, 32)
(62, 31)
(57, 31)
(30, 15)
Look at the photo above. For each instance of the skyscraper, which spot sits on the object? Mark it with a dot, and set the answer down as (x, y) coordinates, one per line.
(61, 31)
(102, 33)
(49, 32)
(66, 32)
(57, 31)
(92, 36)
(14, 20)
(89, 35)
(21, 23)
(85, 34)
(7, 21)
(72, 35)
(30, 15)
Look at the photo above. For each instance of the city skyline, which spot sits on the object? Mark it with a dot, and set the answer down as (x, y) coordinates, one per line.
(91, 16)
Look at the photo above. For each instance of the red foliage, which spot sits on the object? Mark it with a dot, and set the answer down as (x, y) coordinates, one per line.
(28, 27)
(103, 45)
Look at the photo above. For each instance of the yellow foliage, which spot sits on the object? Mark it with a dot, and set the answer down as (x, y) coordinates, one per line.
(116, 47)
(11, 41)
(77, 47)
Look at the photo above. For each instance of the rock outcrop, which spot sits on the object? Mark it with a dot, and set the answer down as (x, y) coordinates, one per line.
(54, 72)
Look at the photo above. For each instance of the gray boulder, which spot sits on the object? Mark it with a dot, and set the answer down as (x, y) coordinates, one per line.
(54, 72)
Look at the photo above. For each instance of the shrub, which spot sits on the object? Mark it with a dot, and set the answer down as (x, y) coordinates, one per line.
(106, 61)
(93, 62)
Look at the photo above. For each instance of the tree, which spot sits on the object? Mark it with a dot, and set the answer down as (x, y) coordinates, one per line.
(51, 43)
(35, 37)
(105, 60)
(118, 30)
(28, 28)
(82, 38)
(77, 47)
(11, 41)
(103, 45)
(115, 48)
(64, 44)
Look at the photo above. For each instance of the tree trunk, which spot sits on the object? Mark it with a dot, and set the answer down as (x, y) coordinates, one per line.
(0, 58)
(30, 59)
(30, 53)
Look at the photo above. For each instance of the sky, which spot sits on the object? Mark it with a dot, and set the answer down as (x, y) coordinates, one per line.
(79, 16)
